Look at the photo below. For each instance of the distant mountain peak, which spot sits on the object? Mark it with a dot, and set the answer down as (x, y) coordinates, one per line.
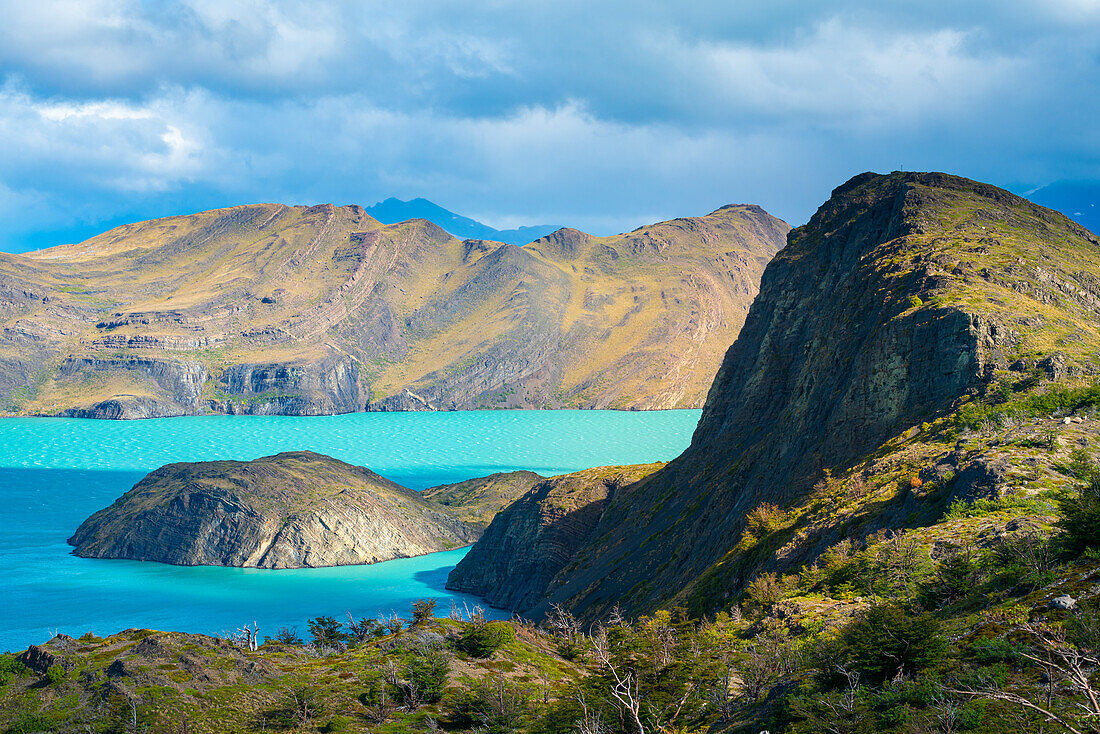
(393, 210)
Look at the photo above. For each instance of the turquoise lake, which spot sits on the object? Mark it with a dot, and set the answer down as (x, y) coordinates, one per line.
(54, 472)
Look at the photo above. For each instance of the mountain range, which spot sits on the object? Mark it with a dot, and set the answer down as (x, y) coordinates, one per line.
(271, 309)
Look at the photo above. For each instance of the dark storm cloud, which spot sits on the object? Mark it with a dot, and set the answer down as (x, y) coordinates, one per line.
(602, 115)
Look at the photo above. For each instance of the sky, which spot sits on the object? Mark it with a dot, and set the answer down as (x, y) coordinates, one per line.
(601, 115)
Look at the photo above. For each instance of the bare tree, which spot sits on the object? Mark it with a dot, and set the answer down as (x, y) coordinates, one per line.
(626, 689)
(1062, 662)
(247, 637)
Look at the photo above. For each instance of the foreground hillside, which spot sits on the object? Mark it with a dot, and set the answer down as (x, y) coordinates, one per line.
(269, 309)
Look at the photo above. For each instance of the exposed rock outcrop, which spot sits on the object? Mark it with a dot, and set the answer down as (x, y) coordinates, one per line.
(323, 387)
(292, 510)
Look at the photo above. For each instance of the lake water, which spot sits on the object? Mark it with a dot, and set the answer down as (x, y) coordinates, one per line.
(55, 472)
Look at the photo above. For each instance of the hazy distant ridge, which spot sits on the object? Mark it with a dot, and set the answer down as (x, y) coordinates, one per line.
(392, 211)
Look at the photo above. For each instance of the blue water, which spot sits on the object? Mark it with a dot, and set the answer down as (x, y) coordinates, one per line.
(56, 472)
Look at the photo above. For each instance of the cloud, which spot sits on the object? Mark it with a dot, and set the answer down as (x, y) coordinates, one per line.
(602, 115)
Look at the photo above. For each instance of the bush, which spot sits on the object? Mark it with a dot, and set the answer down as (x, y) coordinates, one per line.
(55, 674)
(960, 509)
(764, 591)
(955, 578)
(1079, 521)
(287, 636)
(494, 706)
(887, 640)
(10, 667)
(764, 519)
(483, 639)
(428, 671)
(337, 723)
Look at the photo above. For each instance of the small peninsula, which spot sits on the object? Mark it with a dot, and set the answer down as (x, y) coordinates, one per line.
(293, 510)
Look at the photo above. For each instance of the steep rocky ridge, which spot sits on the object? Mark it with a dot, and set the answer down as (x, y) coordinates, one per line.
(316, 310)
(903, 297)
(292, 510)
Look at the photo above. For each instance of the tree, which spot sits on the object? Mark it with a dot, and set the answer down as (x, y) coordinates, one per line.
(287, 636)
(1079, 521)
(423, 611)
(1065, 659)
(887, 641)
(327, 634)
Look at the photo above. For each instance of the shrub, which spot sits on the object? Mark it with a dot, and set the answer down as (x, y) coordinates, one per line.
(1026, 559)
(955, 577)
(428, 671)
(287, 636)
(764, 519)
(55, 674)
(483, 639)
(337, 723)
(494, 706)
(1056, 399)
(887, 640)
(10, 667)
(764, 591)
(1019, 501)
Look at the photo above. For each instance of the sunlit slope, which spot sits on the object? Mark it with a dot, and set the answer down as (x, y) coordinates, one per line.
(302, 310)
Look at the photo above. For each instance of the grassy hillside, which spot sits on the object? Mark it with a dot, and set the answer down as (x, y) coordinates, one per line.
(275, 309)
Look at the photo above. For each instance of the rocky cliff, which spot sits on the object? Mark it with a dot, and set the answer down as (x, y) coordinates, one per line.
(530, 541)
(904, 297)
(292, 510)
(314, 310)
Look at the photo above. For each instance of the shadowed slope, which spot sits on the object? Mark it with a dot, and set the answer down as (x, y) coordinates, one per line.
(904, 295)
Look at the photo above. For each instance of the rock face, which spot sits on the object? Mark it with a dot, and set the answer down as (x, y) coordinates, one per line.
(270, 309)
(529, 542)
(292, 510)
(324, 387)
(901, 297)
(477, 501)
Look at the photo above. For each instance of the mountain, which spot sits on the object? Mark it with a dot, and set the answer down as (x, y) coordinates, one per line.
(296, 509)
(269, 309)
(392, 211)
(910, 317)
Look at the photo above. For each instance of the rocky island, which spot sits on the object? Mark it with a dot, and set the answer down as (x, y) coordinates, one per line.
(292, 510)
